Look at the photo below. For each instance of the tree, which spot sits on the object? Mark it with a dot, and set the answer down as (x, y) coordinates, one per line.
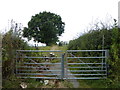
(44, 27)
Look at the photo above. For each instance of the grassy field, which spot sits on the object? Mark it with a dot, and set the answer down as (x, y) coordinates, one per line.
(14, 82)
(93, 83)
(55, 47)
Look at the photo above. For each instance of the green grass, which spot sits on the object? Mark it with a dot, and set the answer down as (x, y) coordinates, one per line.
(101, 83)
(67, 84)
(32, 83)
(44, 48)
(40, 48)
(63, 47)
(93, 83)
(14, 82)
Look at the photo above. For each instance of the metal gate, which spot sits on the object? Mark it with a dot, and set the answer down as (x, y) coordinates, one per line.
(56, 64)
(86, 64)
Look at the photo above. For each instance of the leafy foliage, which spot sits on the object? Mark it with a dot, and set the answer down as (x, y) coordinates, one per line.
(115, 59)
(93, 40)
(44, 27)
(10, 44)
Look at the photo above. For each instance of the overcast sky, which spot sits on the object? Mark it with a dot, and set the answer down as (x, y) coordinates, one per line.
(77, 14)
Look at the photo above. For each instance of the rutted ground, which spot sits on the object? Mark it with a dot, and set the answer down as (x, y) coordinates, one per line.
(55, 47)
(57, 67)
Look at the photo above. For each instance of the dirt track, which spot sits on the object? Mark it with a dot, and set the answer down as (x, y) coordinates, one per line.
(57, 67)
(54, 48)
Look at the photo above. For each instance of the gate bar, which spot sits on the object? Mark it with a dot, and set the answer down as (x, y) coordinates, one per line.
(85, 50)
(83, 63)
(39, 50)
(62, 67)
(42, 63)
(85, 57)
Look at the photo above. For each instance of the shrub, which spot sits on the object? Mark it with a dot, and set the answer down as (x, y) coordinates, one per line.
(10, 43)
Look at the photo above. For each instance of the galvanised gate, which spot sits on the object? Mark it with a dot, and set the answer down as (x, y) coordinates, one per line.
(56, 64)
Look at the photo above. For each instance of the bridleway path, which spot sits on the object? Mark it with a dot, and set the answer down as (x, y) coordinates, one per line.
(58, 67)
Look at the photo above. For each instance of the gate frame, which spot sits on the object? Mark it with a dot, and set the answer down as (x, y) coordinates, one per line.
(61, 60)
(63, 57)
(103, 57)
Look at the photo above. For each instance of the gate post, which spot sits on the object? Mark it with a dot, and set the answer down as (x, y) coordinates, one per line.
(106, 57)
(62, 67)
(16, 62)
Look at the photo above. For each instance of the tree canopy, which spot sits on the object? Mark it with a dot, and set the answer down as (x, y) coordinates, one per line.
(44, 27)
